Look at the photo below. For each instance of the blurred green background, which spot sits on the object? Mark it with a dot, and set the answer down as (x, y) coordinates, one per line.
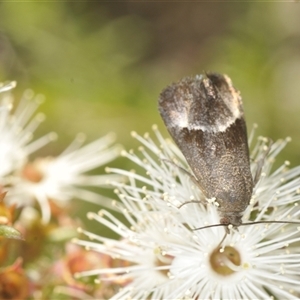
(102, 65)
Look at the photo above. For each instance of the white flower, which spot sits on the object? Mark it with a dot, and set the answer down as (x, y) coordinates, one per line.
(143, 266)
(64, 177)
(170, 260)
(16, 130)
(52, 178)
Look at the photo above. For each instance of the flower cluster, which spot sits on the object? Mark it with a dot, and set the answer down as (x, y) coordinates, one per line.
(165, 248)
(35, 219)
(58, 179)
(160, 255)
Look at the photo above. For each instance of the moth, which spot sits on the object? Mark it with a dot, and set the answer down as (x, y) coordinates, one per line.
(205, 117)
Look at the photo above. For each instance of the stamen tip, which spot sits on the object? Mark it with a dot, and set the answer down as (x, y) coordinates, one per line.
(123, 153)
(53, 136)
(133, 134)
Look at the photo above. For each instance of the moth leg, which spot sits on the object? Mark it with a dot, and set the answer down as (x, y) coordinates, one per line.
(204, 202)
(260, 163)
(223, 239)
(193, 179)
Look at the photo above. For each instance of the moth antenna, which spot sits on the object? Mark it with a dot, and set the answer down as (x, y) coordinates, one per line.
(210, 226)
(270, 222)
(249, 223)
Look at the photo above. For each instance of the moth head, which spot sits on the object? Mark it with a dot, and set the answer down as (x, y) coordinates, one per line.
(234, 219)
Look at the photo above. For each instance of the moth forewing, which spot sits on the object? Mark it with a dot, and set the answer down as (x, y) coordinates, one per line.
(205, 118)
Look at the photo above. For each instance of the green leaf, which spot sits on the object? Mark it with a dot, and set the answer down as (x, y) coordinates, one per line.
(10, 232)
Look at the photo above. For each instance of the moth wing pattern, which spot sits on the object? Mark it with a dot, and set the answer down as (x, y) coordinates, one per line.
(205, 118)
